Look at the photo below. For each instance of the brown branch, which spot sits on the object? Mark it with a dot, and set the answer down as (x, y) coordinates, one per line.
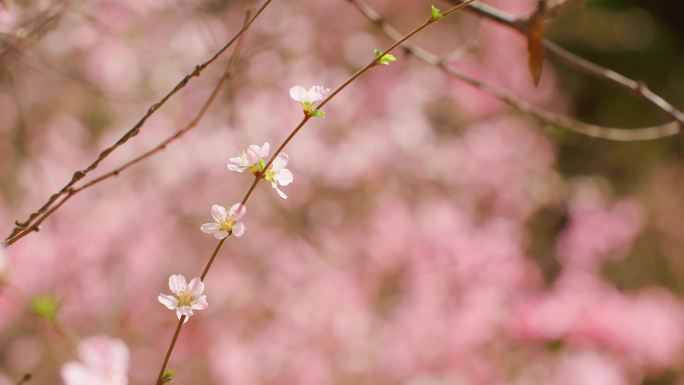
(637, 88)
(24, 379)
(227, 75)
(80, 174)
(292, 134)
(545, 116)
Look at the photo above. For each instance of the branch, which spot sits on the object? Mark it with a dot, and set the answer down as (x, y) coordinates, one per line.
(545, 116)
(637, 88)
(227, 75)
(80, 174)
(293, 133)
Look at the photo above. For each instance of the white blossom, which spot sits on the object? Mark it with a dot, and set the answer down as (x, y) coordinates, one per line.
(250, 159)
(186, 298)
(278, 175)
(307, 98)
(103, 361)
(225, 222)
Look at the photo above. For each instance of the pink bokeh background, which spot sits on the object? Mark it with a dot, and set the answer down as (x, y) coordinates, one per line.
(403, 254)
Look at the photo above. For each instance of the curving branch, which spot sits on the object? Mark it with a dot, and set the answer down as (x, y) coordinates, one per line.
(637, 88)
(80, 174)
(545, 116)
(293, 133)
(227, 75)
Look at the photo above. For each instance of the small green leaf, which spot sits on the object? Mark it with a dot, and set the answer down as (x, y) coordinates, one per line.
(386, 59)
(168, 377)
(45, 307)
(318, 113)
(436, 13)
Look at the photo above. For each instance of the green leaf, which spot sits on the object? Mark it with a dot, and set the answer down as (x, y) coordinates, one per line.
(168, 377)
(45, 307)
(386, 59)
(436, 13)
(318, 113)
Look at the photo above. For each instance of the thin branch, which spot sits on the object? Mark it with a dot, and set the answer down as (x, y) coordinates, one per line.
(637, 88)
(545, 116)
(287, 140)
(26, 378)
(80, 174)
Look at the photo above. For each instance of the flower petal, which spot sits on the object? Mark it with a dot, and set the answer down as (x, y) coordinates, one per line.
(265, 149)
(75, 373)
(168, 300)
(209, 228)
(220, 234)
(284, 177)
(280, 192)
(280, 161)
(237, 211)
(200, 303)
(239, 229)
(196, 287)
(298, 93)
(177, 283)
(219, 213)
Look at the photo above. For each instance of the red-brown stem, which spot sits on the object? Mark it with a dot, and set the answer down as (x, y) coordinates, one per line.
(292, 134)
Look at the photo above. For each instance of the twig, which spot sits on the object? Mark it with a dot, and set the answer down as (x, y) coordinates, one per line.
(637, 88)
(287, 140)
(545, 116)
(26, 378)
(78, 175)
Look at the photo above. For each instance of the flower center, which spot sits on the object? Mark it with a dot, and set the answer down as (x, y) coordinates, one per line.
(185, 299)
(228, 225)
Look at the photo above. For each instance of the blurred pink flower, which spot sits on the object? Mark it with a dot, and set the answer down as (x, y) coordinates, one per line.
(595, 232)
(187, 297)
(104, 361)
(226, 222)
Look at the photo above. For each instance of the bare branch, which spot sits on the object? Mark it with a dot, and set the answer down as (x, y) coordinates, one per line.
(636, 88)
(80, 174)
(545, 116)
(227, 75)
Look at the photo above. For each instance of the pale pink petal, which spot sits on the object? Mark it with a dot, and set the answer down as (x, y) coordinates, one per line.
(200, 303)
(168, 300)
(220, 234)
(196, 287)
(280, 161)
(177, 283)
(280, 192)
(284, 177)
(265, 149)
(239, 229)
(298, 93)
(74, 373)
(237, 211)
(209, 228)
(219, 213)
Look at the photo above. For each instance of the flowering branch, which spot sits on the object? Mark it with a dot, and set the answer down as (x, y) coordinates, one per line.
(259, 173)
(637, 88)
(545, 116)
(80, 174)
(227, 75)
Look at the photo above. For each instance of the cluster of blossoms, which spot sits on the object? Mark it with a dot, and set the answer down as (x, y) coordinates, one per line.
(253, 159)
(187, 298)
